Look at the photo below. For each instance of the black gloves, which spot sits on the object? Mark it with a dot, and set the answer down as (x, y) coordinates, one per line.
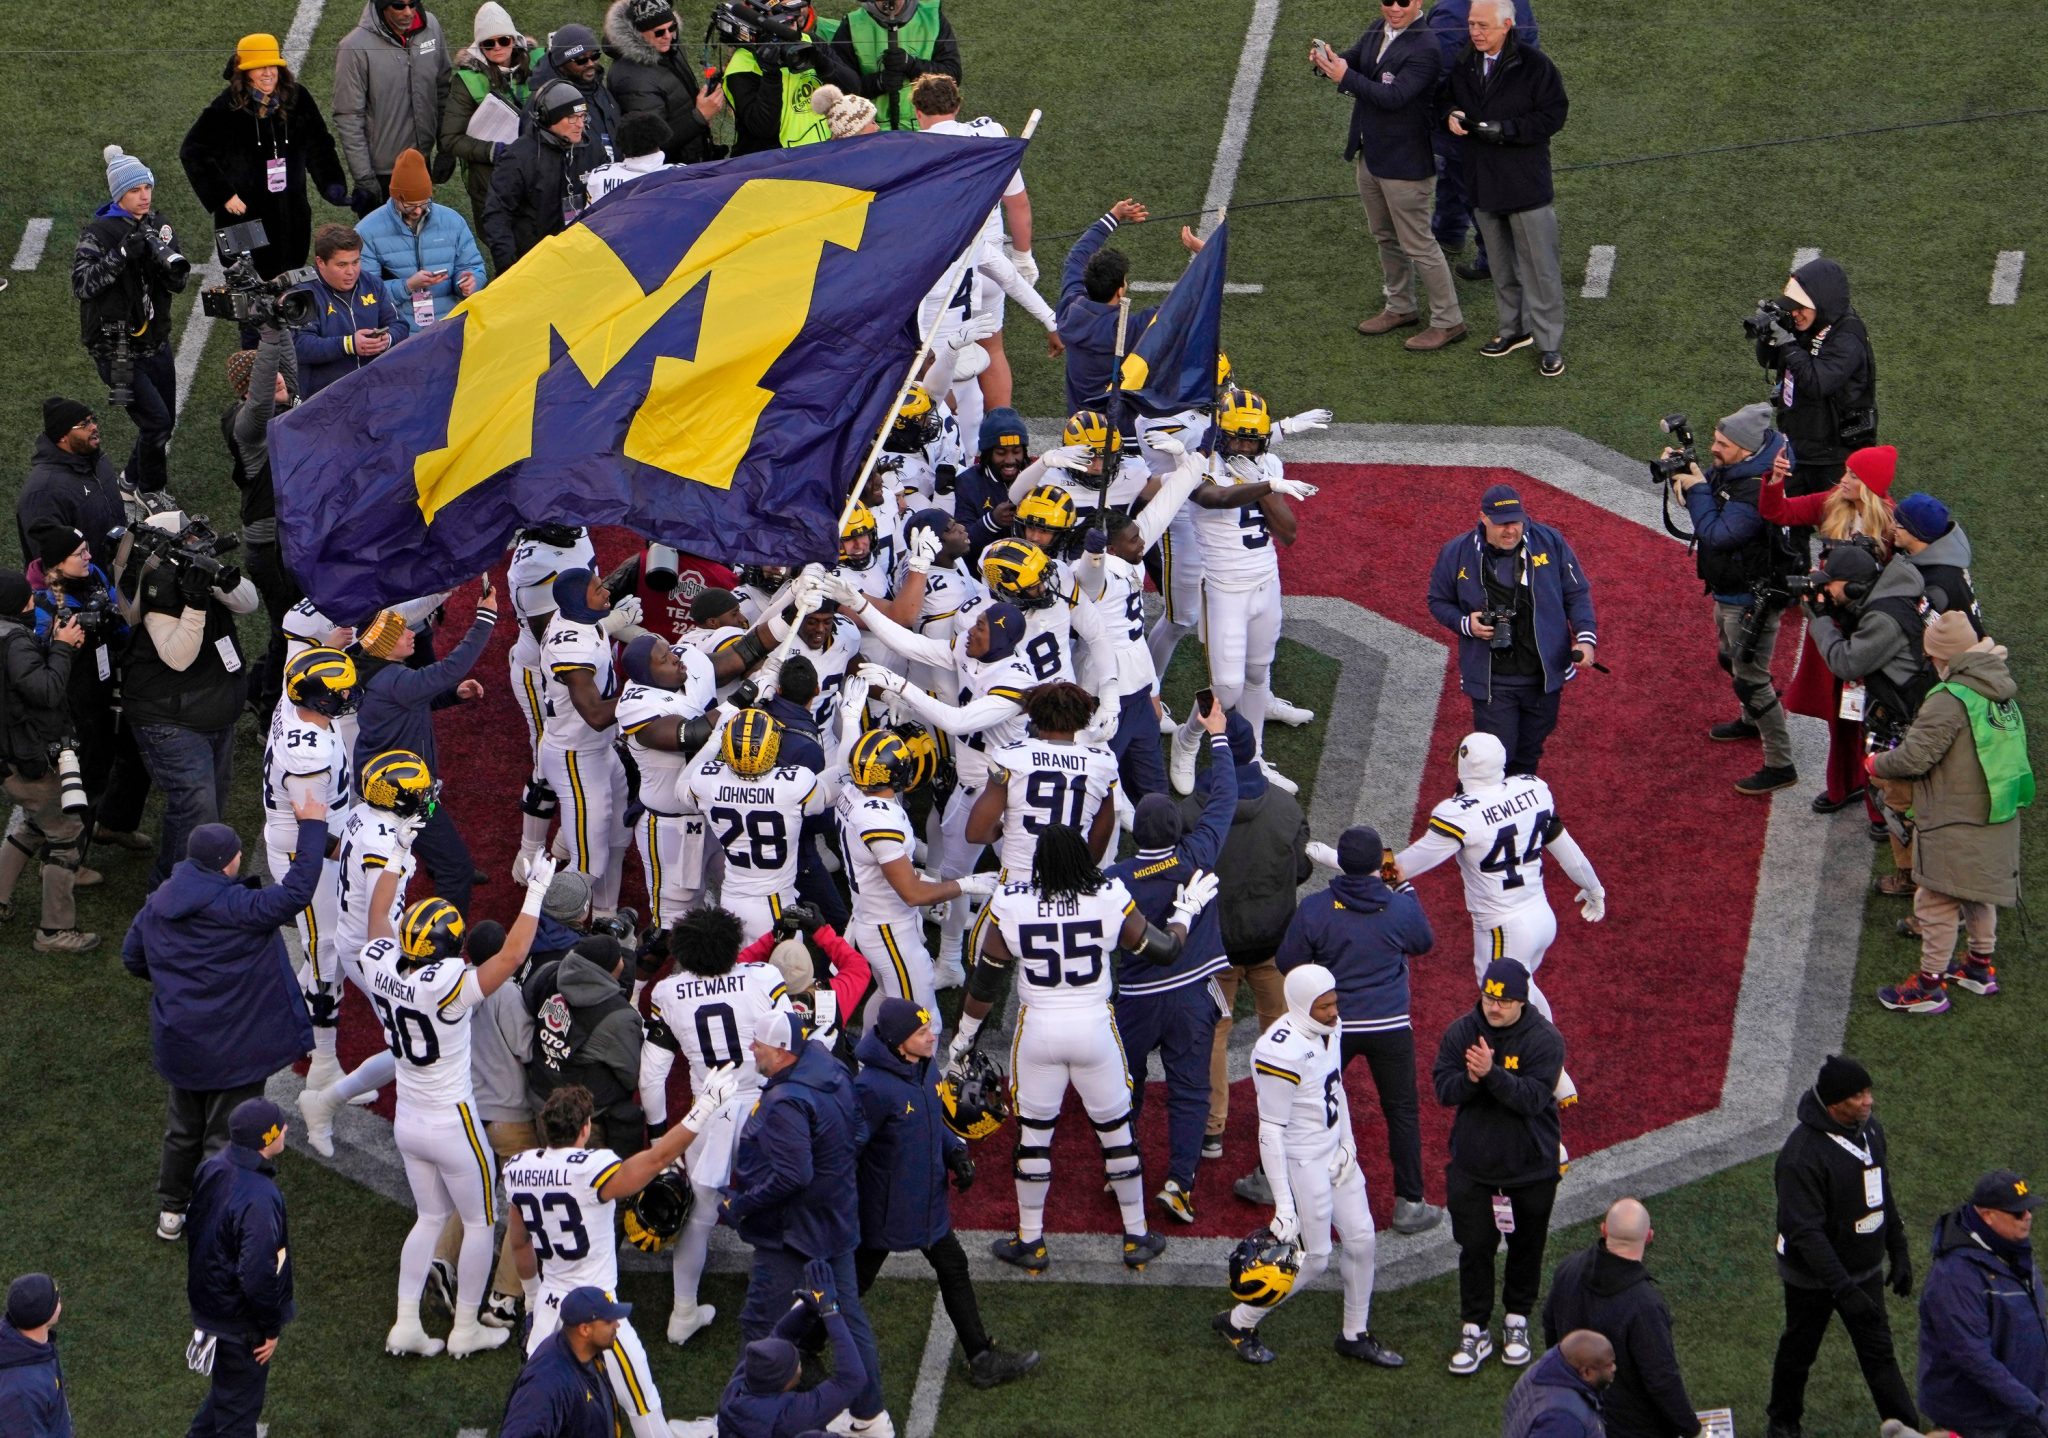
(797, 919)
(961, 1166)
(1493, 132)
(1900, 1276)
(195, 586)
(443, 168)
(334, 192)
(365, 198)
(133, 245)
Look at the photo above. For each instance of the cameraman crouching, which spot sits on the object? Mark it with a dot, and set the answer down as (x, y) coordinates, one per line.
(184, 679)
(36, 684)
(1742, 561)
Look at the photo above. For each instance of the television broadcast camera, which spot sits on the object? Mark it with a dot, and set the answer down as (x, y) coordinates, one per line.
(245, 296)
(197, 545)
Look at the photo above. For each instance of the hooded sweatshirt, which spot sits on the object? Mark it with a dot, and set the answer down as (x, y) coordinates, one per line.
(1829, 1236)
(1364, 933)
(389, 90)
(1983, 1331)
(1506, 1131)
(1825, 373)
(1877, 645)
(585, 1031)
(1944, 567)
(1617, 1298)
(32, 1401)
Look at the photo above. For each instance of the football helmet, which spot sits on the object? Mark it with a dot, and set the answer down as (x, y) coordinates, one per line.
(975, 1096)
(1092, 428)
(1263, 1269)
(658, 1212)
(1244, 419)
(861, 522)
(561, 536)
(324, 681)
(917, 423)
(1018, 572)
(1050, 508)
(923, 747)
(880, 759)
(429, 930)
(397, 781)
(767, 577)
(750, 743)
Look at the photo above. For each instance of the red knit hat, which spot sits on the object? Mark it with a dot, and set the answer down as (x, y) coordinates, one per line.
(1876, 466)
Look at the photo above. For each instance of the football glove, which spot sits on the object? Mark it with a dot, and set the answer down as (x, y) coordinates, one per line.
(978, 886)
(1244, 469)
(1166, 444)
(1293, 488)
(1302, 423)
(719, 1085)
(1027, 266)
(625, 614)
(836, 588)
(540, 873)
(1342, 1162)
(1592, 905)
(1195, 894)
(1067, 456)
(1324, 854)
(880, 679)
(924, 544)
(1285, 1227)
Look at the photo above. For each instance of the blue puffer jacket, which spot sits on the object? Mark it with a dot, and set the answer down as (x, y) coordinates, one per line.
(1983, 1333)
(1563, 599)
(793, 1178)
(1732, 534)
(1551, 1401)
(32, 1401)
(238, 1273)
(1364, 933)
(327, 347)
(393, 254)
(903, 1202)
(225, 1008)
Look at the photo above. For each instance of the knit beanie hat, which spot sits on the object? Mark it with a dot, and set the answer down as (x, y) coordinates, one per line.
(1923, 516)
(1946, 636)
(409, 182)
(239, 365)
(125, 172)
(1840, 1077)
(1359, 850)
(768, 1365)
(567, 897)
(14, 593)
(1157, 823)
(1749, 426)
(846, 115)
(53, 542)
(213, 846)
(711, 603)
(1876, 465)
(492, 20)
(898, 1019)
(61, 416)
(31, 1300)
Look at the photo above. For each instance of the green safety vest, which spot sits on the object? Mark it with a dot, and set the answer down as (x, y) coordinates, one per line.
(918, 38)
(798, 124)
(479, 84)
(2001, 737)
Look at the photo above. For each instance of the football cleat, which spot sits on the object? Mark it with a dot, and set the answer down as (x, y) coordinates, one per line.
(1973, 974)
(1031, 1257)
(408, 1340)
(1177, 1201)
(324, 681)
(751, 743)
(1368, 1349)
(1475, 1346)
(397, 781)
(685, 1325)
(468, 1336)
(1290, 714)
(316, 1107)
(1245, 1341)
(1141, 1248)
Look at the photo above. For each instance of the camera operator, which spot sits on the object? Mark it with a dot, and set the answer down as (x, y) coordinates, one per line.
(1743, 562)
(34, 702)
(71, 481)
(69, 585)
(1826, 395)
(123, 274)
(776, 63)
(266, 379)
(184, 680)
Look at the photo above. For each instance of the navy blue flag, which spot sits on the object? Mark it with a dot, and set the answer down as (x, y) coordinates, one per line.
(1172, 365)
(705, 358)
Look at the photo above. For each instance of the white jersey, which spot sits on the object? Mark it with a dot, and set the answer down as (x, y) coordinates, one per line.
(304, 628)
(873, 832)
(833, 662)
(662, 770)
(755, 821)
(1045, 784)
(1300, 1084)
(368, 837)
(307, 751)
(1237, 548)
(425, 1014)
(569, 648)
(1009, 678)
(950, 596)
(606, 178)
(555, 1191)
(711, 1021)
(1115, 590)
(918, 471)
(1500, 833)
(531, 578)
(1065, 949)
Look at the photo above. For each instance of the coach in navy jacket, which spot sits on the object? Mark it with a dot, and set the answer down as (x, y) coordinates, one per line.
(238, 1266)
(1983, 1327)
(1364, 933)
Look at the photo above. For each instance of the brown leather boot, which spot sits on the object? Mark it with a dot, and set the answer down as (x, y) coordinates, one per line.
(1434, 338)
(1386, 321)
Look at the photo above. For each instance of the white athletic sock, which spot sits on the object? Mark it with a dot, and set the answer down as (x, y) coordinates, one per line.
(533, 834)
(473, 1268)
(1258, 693)
(1130, 1200)
(1031, 1208)
(415, 1258)
(323, 1044)
(1355, 1263)
(372, 1073)
(693, 1247)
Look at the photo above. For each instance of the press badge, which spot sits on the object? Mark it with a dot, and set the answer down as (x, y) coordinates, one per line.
(1852, 702)
(230, 660)
(104, 661)
(422, 309)
(1873, 1188)
(1503, 1213)
(274, 174)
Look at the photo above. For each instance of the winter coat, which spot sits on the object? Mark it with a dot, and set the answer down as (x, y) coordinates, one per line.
(76, 490)
(226, 155)
(1736, 546)
(327, 347)
(398, 699)
(1814, 691)
(600, 145)
(1087, 327)
(32, 1397)
(1983, 1332)
(555, 1396)
(1821, 1201)
(1552, 1401)
(389, 92)
(644, 78)
(1393, 101)
(1558, 588)
(1617, 1298)
(1364, 933)
(116, 287)
(393, 252)
(792, 1413)
(225, 1008)
(534, 186)
(1153, 876)
(1956, 849)
(1446, 21)
(1265, 854)
(1525, 95)
(514, 86)
(1944, 567)
(1875, 645)
(1825, 373)
(903, 1202)
(794, 1179)
(36, 682)
(238, 1262)
(602, 1032)
(1506, 1132)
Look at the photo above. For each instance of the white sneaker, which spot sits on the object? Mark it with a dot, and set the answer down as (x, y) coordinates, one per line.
(879, 1426)
(685, 1324)
(170, 1227)
(501, 1310)
(409, 1340)
(1167, 723)
(1475, 1346)
(1277, 779)
(468, 1336)
(316, 1107)
(1514, 1341)
(1290, 714)
(1180, 763)
(693, 1428)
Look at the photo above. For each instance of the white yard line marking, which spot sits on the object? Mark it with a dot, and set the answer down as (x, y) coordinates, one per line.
(931, 1375)
(1805, 255)
(1599, 272)
(300, 36)
(1237, 121)
(2005, 276)
(1160, 287)
(33, 237)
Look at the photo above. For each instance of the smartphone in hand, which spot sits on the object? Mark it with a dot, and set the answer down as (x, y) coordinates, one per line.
(1205, 702)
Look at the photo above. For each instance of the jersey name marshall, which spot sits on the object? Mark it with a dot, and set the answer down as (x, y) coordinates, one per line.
(523, 1172)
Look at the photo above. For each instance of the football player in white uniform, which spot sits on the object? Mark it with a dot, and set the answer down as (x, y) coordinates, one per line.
(663, 714)
(579, 724)
(540, 555)
(706, 1011)
(1501, 826)
(560, 1199)
(1046, 779)
(305, 627)
(303, 758)
(754, 810)
(1088, 448)
(924, 445)
(1062, 928)
(1180, 557)
(423, 993)
(1063, 638)
(936, 540)
(1311, 1159)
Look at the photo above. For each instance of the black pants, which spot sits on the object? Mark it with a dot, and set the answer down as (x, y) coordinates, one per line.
(956, 1288)
(108, 763)
(154, 412)
(1807, 1311)
(195, 1128)
(280, 592)
(445, 857)
(235, 1401)
(1473, 1230)
(1391, 1057)
(1521, 716)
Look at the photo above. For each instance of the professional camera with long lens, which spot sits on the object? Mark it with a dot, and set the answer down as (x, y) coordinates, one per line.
(1681, 458)
(1776, 310)
(245, 296)
(1807, 586)
(70, 788)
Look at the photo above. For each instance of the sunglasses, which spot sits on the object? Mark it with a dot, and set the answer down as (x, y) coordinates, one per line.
(1396, 4)
(499, 42)
(661, 31)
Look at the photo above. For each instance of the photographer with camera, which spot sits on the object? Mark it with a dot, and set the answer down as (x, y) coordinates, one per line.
(776, 63)
(1743, 561)
(1514, 594)
(40, 768)
(890, 43)
(266, 381)
(353, 320)
(123, 274)
(184, 679)
(71, 482)
(1826, 385)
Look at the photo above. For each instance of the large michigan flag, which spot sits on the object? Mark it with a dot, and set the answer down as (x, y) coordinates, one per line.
(705, 358)
(1172, 365)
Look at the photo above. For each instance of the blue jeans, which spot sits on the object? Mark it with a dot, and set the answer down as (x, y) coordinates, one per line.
(1181, 1024)
(1521, 716)
(193, 768)
(1141, 767)
(778, 1273)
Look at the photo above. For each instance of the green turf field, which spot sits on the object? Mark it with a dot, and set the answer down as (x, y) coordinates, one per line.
(1134, 100)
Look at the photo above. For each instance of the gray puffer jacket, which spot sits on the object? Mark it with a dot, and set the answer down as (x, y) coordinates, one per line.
(389, 92)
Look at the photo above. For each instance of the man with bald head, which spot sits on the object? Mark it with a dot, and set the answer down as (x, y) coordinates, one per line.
(1560, 1397)
(1606, 1288)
